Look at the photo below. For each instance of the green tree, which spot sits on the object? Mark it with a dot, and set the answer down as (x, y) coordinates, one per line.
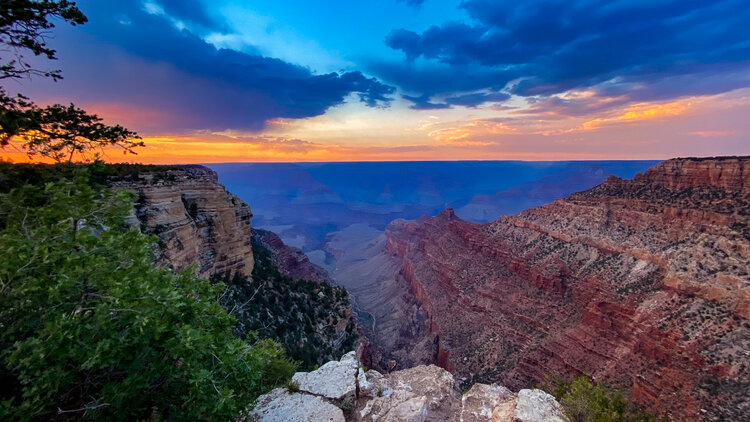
(57, 132)
(91, 329)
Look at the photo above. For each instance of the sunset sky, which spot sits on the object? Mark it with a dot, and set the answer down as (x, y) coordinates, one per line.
(238, 80)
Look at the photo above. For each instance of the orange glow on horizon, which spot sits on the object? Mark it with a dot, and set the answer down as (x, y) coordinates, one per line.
(698, 126)
(188, 150)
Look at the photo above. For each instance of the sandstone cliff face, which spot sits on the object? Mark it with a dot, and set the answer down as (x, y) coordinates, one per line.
(343, 391)
(291, 261)
(642, 284)
(197, 221)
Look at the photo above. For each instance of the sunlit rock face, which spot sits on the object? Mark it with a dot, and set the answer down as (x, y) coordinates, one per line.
(345, 391)
(196, 220)
(643, 284)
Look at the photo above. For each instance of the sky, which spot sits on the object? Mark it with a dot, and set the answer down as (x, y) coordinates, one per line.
(236, 80)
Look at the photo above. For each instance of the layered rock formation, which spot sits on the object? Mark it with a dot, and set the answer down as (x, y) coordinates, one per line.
(643, 284)
(291, 261)
(272, 289)
(197, 221)
(344, 391)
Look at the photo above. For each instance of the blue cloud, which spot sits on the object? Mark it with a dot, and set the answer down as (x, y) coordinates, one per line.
(475, 99)
(147, 60)
(190, 12)
(423, 102)
(426, 102)
(653, 48)
(412, 3)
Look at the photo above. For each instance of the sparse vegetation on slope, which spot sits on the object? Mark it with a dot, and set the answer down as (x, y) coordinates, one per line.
(313, 321)
(16, 175)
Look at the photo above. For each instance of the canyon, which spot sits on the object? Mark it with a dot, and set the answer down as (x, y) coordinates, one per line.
(640, 284)
(271, 289)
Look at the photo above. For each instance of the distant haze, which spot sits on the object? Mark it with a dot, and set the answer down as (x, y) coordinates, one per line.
(307, 203)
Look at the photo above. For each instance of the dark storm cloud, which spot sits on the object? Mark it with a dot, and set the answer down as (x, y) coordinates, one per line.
(142, 59)
(441, 78)
(651, 49)
(423, 102)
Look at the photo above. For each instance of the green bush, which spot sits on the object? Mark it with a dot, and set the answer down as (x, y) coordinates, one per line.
(91, 329)
(586, 402)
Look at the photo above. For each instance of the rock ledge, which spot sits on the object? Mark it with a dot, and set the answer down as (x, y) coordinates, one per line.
(344, 391)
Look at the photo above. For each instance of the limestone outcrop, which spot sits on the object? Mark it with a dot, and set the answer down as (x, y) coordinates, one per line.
(642, 284)
(344, 391)
(333, 381)
(196, 220)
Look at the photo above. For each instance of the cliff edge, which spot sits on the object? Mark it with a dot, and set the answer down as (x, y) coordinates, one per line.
(196, 220)
(343, 390)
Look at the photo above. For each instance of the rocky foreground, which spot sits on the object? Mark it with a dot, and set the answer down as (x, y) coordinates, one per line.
(345, 391)
(641, 284)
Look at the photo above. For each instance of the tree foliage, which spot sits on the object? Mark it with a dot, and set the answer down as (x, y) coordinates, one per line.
(24, 25)
(91, 329)
(57, 132)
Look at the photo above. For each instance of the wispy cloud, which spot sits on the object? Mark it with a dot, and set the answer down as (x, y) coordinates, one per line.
(713, 133)
(480, 132)
(638, 112)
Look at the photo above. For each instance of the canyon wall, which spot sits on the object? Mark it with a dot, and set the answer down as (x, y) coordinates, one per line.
(291, 261)
(198, 223)
(196, 220)
(643, 284)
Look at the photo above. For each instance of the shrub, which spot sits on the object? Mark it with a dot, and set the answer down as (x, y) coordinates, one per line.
(586, 402)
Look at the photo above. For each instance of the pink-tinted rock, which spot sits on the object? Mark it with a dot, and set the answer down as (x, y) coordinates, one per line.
(641, 284)
(290, 261)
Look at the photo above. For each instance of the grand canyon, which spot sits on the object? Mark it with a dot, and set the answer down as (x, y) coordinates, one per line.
(640, 283)
(392, 211)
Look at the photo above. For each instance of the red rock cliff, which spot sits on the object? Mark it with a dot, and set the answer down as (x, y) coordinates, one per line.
(643, 284)
(290, 261)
